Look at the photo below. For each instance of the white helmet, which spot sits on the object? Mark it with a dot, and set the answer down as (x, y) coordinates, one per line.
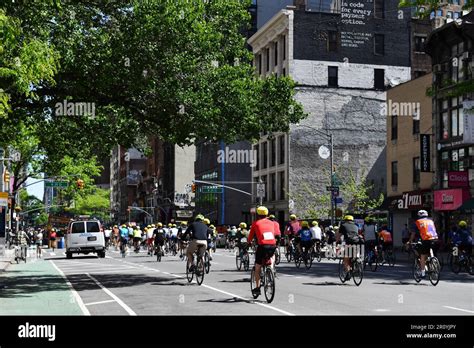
(422, 213)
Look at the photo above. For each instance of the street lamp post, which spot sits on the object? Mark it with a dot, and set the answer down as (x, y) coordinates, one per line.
(330, 137)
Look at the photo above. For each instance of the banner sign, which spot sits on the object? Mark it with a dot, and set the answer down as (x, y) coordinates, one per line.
(425, 153)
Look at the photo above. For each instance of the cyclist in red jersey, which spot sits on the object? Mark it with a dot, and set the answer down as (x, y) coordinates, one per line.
(264, 231)
(277, 228)
(291, 230)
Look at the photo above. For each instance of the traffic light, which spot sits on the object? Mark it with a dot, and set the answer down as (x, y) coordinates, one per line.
(6, 176)
(80, 184)
(193, 188)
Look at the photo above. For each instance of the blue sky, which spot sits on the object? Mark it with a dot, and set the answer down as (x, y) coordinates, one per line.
(37, 189)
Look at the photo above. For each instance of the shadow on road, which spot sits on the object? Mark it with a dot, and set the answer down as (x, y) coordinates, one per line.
(227, 300)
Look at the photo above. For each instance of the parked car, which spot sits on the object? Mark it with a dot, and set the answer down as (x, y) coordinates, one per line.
(221, 240)
(84, 237)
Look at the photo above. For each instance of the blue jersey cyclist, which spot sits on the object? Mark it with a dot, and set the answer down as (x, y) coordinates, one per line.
(305, 237)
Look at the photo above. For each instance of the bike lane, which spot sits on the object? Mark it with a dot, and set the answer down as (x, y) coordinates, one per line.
(36, 288)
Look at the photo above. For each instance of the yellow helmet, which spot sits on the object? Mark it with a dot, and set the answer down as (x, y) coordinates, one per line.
(174, 225)
(212, 227)
(304, 224)
(184, 223)
(348, 218)
(206, 221)
(124, 225)
(292, 217)
(153, 225)
(314, 223)
(262, 211)
(462, 224)
(160, 224)
(170, 225)
(243, 225)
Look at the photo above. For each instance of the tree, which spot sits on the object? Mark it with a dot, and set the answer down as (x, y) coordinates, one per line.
(95, 203)
(177, 70)
(312, 204)
(359, 194)
(424, 8)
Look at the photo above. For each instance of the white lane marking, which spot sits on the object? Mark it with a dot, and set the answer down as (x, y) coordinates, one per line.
(111, 294)
(242, 298)
(78, 299)
(100, 302)
(103, 272)
(52, 254)
(459, 309)
(382, 310)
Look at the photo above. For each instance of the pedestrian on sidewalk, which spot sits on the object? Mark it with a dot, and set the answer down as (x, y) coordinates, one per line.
(39, 242)
(52, 238)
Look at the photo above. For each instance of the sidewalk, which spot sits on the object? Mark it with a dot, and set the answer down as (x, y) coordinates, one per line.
(35, 288)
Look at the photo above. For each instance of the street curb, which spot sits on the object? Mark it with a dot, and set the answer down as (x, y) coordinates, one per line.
(4, 265)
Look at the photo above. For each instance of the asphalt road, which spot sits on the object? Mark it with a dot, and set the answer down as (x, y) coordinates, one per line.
(139, 285)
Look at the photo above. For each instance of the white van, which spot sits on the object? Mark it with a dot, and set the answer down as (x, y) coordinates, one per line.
(84, 237)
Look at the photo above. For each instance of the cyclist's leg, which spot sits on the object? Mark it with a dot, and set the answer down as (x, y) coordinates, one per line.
(192, 247)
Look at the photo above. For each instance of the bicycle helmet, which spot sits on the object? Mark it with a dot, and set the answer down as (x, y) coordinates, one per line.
(199, 217)
(262, 211)
(348, 218)
(243, 225)
(462, 224)
(206, 221)
(305, 224)
(314, 223)
(422, 213)
(292, 217)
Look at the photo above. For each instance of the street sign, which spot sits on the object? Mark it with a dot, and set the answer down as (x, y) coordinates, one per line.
(211, 189)
(260, 190)
(3, 199)
(56, 184)
(332, 188)
(324, 152)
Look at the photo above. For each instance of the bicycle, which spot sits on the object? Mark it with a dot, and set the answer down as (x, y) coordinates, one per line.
(356, 272)
(304, 257)
(267, 280)
(123, 247)
(159, 252)
(389, 257)
(207, 262)
(461, 261)
(371, 259)
(197, 269)
(290, 250)
(432, 265)
(316, 252)
(242, 259)
(20, 253)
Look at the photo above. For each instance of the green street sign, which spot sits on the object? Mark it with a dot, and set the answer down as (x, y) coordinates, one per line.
(56, 184)
(212, 189)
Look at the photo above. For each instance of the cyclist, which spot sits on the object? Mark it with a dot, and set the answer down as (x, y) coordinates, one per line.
(150, 232)
(124, 235)
(350, 231)
(386, 239)
(291, 230)
(316, 234)
(116, 236)
(277, 229)
(426, 230)
(264, 231)
(464, 238)
(174, 236)
(370, 234)
(211, 241)
(159, 237)
(198, 232)
(242, 233)
(107, 234)
(304, 238)
(137, 237)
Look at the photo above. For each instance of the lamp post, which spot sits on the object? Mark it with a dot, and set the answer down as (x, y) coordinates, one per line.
(330, 138)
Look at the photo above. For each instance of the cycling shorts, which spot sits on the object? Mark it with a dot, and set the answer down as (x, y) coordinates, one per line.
(425, 246)
(264, 251)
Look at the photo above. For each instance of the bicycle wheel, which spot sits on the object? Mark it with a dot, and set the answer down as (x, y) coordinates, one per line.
(455, 265)
(269, 286)
(434, 269)
(342, 272)
(200, 270)
(246, 262)
(189, 274)
(469, 266)
(357, 272)
(238, 262)
(277, 256)
(207, 262)
(308, 261)
(417, 270)
(253, 283)
(319, 256)
(297, 260)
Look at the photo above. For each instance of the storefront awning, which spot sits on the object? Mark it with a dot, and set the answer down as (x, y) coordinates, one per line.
(450, 199)
(467, 207)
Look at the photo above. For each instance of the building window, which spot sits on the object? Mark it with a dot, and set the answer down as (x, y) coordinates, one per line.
(255, 149)
(267, 51)
(416, 170)
(420, 44)
(281, 143)
(260, 64)
(379, 79)
(328, 6)
(281, 181)
(394, 127)
(332, 41)
(273, 187)
(379, 9)
(457, 15)
(264, 181)
(379, 44)
(283, 72)
(416, 125)
(395, 173)
(275, 63)
(439, 13)
(449, 14)
(332, 76)
(284, 47)
(265, 155)
(419, 73)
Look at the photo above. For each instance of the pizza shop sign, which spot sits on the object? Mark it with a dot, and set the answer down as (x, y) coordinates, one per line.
(410, 200)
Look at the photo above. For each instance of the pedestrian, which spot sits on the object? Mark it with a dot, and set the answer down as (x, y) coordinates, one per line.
(52, 238)
(39, 242)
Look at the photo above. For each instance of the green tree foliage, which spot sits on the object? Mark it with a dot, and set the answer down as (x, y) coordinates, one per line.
(358, 194)
(95, 203)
